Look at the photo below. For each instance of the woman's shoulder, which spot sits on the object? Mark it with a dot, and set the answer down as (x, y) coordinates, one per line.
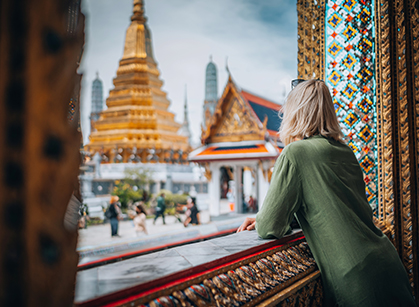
(295, 149)
(316, 148)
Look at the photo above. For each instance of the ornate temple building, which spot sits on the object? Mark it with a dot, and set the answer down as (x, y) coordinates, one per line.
(137, 125)
(239, 147)
(97, 101)
(211, 93)
(185, 129)
(136, 129)
(365, 50)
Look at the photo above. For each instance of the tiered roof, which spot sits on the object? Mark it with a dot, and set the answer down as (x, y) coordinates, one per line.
(243, 126)
(137, 118)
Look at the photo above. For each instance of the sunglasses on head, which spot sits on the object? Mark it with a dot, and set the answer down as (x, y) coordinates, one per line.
(295, 82)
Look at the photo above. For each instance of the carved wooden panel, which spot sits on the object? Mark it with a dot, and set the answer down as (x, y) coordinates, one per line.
(236, 123)
(311, 39)
(384, 119)
(397, 38)
(40, 43)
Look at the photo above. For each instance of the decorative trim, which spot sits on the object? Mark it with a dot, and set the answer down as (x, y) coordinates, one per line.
(311, 281)
(248, 282)
(311, 55)
(384, 117)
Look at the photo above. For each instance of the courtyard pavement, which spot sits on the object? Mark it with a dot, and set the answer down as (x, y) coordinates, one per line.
(96, 242)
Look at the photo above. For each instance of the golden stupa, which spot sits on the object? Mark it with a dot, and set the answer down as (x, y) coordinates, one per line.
(137, 126)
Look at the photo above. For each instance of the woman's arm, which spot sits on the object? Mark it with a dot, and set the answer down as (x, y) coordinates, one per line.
(248, 224)
(282, 200)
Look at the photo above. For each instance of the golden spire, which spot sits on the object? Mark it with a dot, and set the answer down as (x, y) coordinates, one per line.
(135, 41)
(137, 115)
(138, 11)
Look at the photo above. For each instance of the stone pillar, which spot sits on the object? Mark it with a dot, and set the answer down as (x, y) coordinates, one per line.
(247, 182)
(86, 186)
(238, 206)
(263, 185)
(97, 159)
(214, 191)
(169, 183)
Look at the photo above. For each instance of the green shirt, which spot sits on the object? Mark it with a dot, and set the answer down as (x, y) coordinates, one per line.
(161, 203)
(320, 180)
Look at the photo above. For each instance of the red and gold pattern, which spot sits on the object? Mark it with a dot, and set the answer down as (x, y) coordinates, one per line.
(259, 281)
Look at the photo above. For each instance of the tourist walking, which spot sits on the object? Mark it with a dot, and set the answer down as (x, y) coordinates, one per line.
(318, 178)
(161, 206)
(140, 218)
(114, 213)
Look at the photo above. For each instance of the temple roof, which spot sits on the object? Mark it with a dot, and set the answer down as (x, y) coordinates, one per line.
(242, 116)
(247, 150)
(265, 108)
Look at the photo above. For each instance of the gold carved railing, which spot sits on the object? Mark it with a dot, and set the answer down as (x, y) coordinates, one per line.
(270, 273)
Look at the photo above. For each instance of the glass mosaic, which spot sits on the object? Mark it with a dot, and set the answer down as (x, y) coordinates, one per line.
(350, 69)
(71, 110)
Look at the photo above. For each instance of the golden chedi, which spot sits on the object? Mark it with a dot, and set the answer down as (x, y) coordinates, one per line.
(137, 126)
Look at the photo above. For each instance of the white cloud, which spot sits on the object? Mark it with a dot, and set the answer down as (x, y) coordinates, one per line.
(261, 53)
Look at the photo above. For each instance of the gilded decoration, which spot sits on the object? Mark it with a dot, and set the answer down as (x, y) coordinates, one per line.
(397, 116)
(349, 71)
(279, 275)
(236, 122)
(137, 116)
(370, 52)
(384, 118)
(311, 38)
(404, 127)
(233, 120)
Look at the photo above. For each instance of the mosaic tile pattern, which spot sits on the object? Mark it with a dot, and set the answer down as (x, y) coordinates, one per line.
(350, 62)
(71, 110)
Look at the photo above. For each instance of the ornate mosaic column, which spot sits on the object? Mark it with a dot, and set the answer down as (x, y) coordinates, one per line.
(398, 122)
(370, 52)
(349, 73)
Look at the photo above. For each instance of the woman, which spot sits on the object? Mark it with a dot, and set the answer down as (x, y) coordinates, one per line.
(192, 214)
(140, 218)
(318, 178)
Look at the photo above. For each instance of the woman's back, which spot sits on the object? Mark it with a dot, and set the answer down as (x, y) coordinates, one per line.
(320, 180)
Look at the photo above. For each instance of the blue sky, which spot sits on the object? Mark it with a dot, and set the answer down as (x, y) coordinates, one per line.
(259, 37)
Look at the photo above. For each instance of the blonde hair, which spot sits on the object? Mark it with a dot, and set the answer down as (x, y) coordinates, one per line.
(309, 111)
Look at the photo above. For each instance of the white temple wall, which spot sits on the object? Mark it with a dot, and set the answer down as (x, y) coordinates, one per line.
(248, 184)
(214, 190)
(263, 186)
(238, 206)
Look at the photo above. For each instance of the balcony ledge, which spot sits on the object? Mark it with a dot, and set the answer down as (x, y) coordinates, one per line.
(254, 271)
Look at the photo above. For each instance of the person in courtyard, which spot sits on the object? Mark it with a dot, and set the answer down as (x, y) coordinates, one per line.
(192, 215)
(114, 214)
(140, 218)
(161, 206)
(252, 204)
(317, 177)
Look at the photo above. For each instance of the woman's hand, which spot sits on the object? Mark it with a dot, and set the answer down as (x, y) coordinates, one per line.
(248, 224)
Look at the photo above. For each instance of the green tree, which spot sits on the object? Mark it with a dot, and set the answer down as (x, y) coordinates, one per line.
(139, 177)
(126, 193)
(134, 187)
